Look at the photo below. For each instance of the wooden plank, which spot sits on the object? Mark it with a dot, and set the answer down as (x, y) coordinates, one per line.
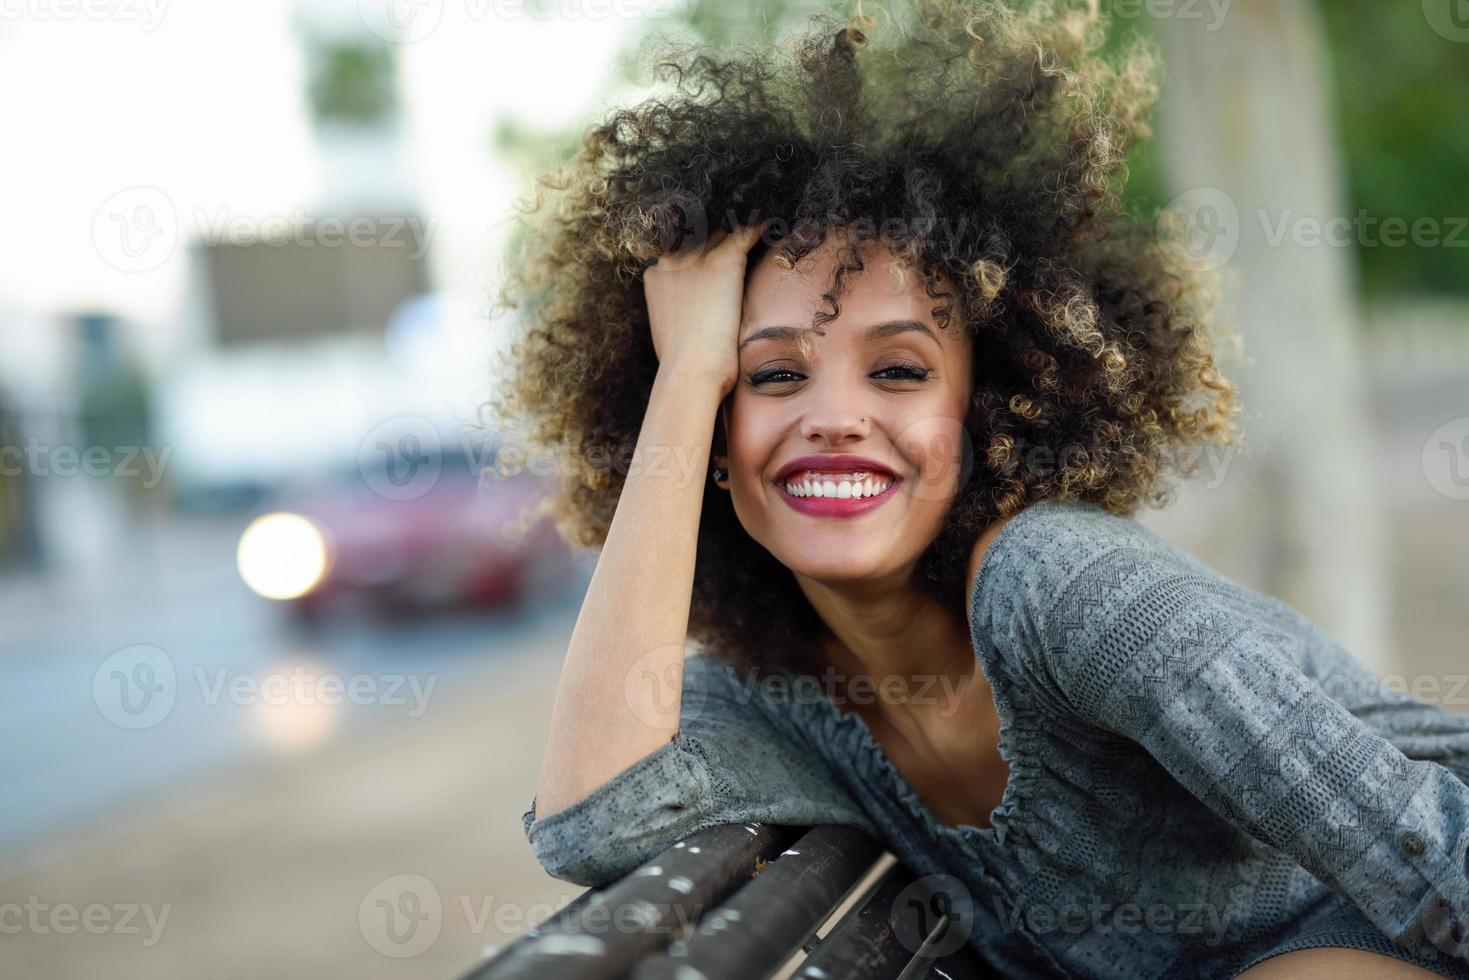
(760, 926)
(602, 933)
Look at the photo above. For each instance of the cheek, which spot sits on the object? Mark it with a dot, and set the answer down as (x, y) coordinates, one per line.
(753, 436)
(940, 455)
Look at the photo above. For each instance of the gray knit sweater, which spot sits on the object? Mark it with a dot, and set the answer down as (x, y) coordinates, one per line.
(1199, 775)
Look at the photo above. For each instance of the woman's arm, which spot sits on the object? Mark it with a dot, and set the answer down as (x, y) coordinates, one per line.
(618, 697)
(1142, 642)
(729, 763)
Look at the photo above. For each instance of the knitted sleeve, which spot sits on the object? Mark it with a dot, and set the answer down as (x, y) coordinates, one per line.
(1137, 638)
(726, 764)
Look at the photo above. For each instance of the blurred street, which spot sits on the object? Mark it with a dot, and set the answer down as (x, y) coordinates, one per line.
(279, 662)
(254, 821)
(264, 830)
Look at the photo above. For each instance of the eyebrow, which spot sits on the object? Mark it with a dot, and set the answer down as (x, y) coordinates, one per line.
(876, 332)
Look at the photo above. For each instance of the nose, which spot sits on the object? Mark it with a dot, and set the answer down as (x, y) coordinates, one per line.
(834, 418)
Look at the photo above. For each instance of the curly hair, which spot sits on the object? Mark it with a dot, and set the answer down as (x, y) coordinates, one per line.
(990, 149)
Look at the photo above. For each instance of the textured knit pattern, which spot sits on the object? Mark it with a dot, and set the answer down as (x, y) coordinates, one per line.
(1199, 776)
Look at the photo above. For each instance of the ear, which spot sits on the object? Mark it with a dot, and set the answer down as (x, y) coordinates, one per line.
(719, 447)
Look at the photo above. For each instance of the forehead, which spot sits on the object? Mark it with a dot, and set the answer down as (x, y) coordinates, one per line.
(881, 291)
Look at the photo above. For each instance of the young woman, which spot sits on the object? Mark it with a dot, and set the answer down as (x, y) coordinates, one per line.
(860, 369)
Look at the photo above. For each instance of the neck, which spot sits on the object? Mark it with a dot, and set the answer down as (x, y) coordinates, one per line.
(893, 655)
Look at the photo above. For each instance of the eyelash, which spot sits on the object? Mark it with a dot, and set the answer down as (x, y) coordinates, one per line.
(913, 372)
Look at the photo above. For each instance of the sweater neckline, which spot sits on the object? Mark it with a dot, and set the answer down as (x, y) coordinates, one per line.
(850, 732)
(850, 735)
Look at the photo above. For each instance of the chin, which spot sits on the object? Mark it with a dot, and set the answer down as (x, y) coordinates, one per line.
(838, 564)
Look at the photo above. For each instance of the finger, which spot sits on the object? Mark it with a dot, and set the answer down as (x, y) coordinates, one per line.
(746, 235)
(689, 253)
(715, 238)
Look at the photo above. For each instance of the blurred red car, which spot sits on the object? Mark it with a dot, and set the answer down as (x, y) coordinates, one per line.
(370, 538)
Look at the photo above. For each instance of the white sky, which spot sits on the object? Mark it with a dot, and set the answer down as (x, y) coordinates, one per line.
(207, 106)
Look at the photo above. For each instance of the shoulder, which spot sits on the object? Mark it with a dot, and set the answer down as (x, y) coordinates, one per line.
(1065, 587)
(1031, 558)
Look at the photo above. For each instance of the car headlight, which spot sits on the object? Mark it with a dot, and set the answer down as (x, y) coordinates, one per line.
(282, 555)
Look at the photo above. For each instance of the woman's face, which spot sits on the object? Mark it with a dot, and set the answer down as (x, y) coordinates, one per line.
(881, 381)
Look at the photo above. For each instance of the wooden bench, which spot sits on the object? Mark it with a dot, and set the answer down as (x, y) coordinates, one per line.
(741, 901)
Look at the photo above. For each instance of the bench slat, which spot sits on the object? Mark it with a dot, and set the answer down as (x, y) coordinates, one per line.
(764, 923)
(602, 933)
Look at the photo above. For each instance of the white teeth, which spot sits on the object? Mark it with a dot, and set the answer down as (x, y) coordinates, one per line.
(843, 489)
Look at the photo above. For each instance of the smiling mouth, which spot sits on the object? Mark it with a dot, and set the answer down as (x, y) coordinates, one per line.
(812, 484)
(837, 495)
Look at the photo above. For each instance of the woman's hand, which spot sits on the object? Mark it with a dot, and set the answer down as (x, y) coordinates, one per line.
(695, 299)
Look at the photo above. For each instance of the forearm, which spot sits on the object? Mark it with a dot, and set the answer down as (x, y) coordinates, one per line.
(619, 693)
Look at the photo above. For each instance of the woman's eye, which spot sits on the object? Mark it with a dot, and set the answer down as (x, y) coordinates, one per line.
(893, 372)
(905, 372)
(772, 374)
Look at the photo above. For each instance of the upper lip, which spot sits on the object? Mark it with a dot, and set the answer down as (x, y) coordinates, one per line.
(833, 463)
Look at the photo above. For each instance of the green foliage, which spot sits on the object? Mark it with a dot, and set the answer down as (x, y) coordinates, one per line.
(351, 82)
(1399, 100)
(1399, 91)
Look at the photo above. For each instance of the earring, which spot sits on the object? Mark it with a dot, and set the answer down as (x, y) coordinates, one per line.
(720, 474)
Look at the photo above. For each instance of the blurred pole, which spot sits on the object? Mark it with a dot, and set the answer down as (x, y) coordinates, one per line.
(1245, 111)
